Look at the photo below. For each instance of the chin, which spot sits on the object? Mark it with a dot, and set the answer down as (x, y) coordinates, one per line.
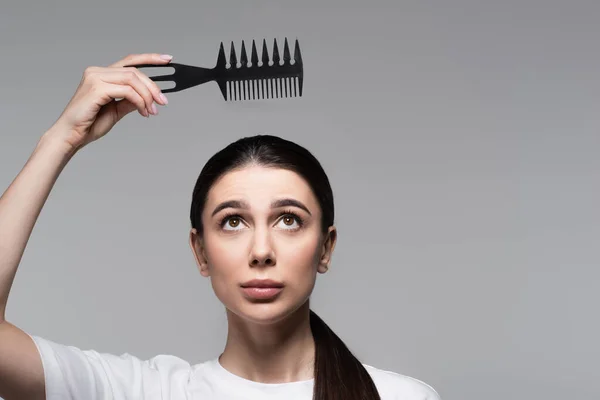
(265, 313)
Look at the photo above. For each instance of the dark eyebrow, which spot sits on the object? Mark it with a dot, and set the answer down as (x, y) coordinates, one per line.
(229, 204)
(275, 204)
(288, 203)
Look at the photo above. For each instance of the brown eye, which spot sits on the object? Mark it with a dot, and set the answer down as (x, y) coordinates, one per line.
(234, 222)
(290, 222)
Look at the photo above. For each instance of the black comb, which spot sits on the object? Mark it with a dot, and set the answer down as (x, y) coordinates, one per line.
(238, 80)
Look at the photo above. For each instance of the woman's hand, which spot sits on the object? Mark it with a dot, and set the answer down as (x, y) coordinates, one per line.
(104, 96)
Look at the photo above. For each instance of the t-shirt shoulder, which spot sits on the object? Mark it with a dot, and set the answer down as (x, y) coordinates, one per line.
(73, 373)
(392, 385)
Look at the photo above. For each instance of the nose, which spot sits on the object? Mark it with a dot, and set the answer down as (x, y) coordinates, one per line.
(261, 251)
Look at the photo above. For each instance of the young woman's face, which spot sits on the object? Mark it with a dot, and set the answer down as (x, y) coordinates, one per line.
(262, 224)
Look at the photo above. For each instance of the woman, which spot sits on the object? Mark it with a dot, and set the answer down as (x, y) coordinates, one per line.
(262, 228)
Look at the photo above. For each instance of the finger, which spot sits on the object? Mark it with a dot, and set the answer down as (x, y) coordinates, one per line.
(145, 58)
(130, 78)
(117, 91)
(124, 107)
(159, 97)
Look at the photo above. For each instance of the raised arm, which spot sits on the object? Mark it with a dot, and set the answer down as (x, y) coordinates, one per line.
(104, 96)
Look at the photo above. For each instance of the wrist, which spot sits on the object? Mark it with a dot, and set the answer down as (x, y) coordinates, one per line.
(53, 139)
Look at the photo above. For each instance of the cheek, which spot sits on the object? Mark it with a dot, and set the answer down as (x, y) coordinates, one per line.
(226, 259)
(224, 254)
(299, 257)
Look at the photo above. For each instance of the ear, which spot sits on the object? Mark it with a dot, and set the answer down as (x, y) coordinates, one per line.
(327, 250)
(199, 251)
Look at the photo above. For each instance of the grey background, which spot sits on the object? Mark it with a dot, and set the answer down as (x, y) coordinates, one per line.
(461, 139)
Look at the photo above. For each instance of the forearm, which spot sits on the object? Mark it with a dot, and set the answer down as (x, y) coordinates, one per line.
(21, 204)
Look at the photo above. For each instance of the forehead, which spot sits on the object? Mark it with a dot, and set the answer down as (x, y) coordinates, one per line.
(260, 185)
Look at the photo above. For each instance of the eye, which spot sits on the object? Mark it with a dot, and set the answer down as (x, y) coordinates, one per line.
(232, 223)
(290, 222)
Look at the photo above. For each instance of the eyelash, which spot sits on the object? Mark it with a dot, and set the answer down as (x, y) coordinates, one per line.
(285, 213)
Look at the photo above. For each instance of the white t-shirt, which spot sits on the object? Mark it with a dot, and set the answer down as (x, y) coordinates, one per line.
(75, 374)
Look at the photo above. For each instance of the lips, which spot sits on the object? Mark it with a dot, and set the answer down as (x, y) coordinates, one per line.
(262, 289)
(262, 283)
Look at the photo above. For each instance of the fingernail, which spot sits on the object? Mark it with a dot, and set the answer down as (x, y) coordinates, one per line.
(166, 57)
(163, 98)
(154, 109)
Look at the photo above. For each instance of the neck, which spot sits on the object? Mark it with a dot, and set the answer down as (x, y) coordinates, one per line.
(275, 353)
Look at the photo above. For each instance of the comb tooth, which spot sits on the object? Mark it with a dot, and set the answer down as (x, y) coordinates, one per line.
(297, 55)
(244, 56)
(295, 87)
(275, 53)
(253, 89)
(268, 91)
(271, 84)
(243, 89)
(254, 56)
(273, 88)
(232, 57)
(223, 87)
(286, 86)
(286, 52)
(221, 62)
(265, 54)
(298, 60)
(279, 88)
(262, 88)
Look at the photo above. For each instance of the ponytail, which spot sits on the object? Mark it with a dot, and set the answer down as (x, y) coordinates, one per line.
(339, 375)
